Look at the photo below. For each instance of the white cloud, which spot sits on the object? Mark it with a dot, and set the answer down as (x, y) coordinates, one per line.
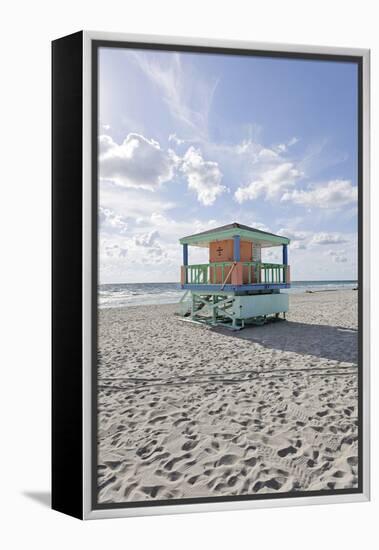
(204, 177)
(141, 163)
(187, 93)
(140, 248)
(271, 184)
(251, 152)
(298, 245)
(334, 194)
(174, 139)
(298, 238)
(147, 239)
(153, 249)
(172, 230)
(113, 250)
(109, 221)
(283, 147)
(292, 141)
(270, 173)
(260, 226)
(293, 234)
(301, 240)
(328, 238)
(273, 255)
(131, 203)
(267, 154)
(337, 257)
(138, 162)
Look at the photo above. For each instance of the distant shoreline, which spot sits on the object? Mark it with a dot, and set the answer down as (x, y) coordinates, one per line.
(129, 295)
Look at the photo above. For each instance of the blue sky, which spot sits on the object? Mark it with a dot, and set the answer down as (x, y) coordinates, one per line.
(193, 141)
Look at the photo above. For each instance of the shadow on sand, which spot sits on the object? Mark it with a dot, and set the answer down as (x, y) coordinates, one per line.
(327, 342)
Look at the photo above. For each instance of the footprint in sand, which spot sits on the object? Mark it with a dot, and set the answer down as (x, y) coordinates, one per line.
(174, 476)
(273, 484)
(171, 463)
(151, 491)
(227, 460)
(189, 445)
(339, 474)
(113, 464)
(232, 481)
(192, 480)
(287, 451)
(352, 460)
(251, 461)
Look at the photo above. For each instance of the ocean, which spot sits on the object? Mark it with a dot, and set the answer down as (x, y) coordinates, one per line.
(135, 294)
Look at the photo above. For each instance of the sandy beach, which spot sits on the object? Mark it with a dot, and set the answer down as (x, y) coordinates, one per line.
(186, 411)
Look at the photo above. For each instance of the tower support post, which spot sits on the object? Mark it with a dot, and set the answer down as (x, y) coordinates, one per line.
(236, 248)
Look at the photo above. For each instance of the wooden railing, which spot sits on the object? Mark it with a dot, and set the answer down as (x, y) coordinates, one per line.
(253, 273)
(272, 273)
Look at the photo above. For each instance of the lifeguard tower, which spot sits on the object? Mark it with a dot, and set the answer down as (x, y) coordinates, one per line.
(235, 287)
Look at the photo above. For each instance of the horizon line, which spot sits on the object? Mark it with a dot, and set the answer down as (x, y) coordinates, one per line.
(178, 282)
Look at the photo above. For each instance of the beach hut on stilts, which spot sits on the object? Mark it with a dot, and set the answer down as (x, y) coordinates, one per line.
(235, 287)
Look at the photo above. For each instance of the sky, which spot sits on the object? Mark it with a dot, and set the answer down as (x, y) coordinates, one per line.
(192, 141)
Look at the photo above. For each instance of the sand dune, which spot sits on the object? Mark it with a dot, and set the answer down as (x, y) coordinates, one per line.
(186, 411)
